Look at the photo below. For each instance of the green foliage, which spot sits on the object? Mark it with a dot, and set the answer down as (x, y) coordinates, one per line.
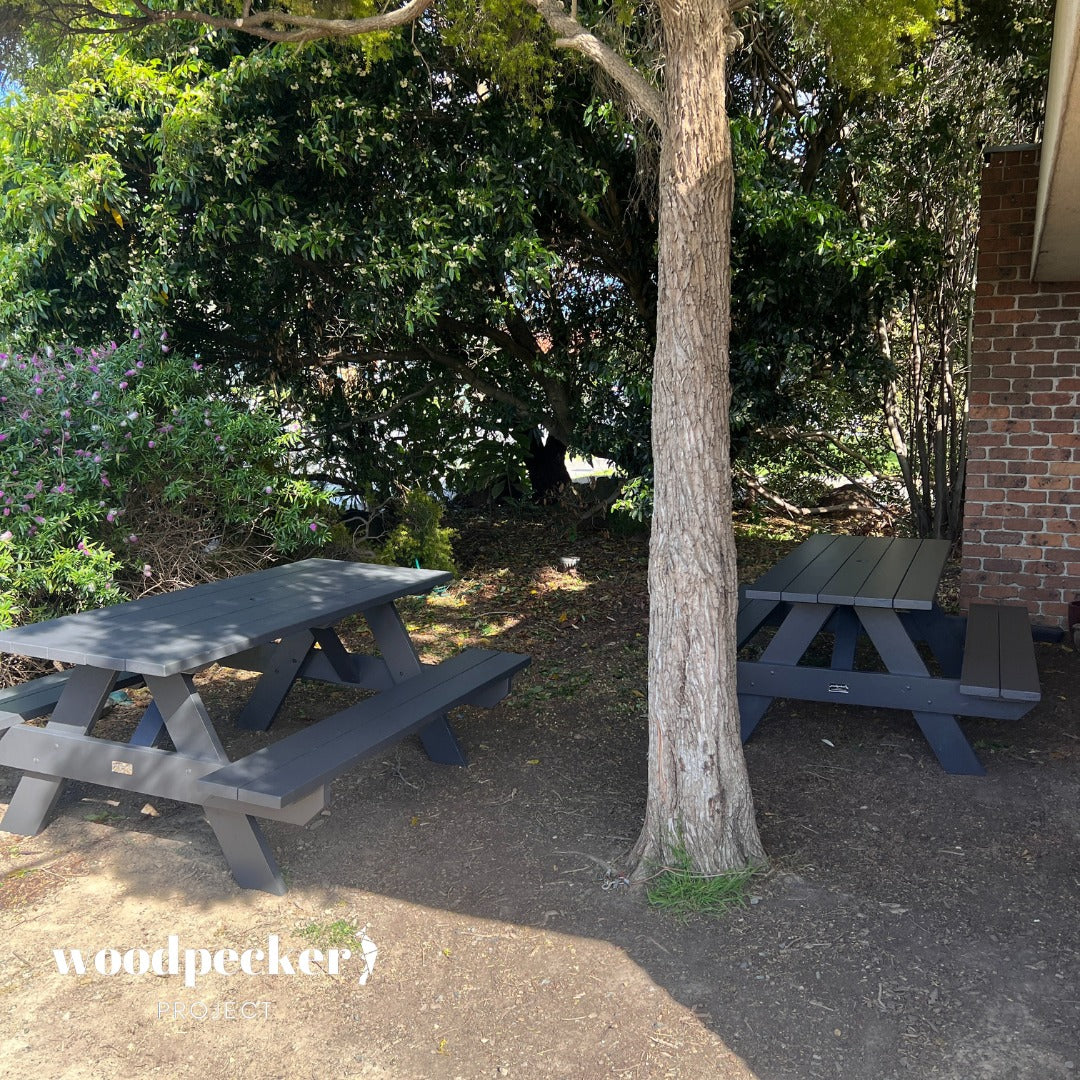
(864, 38)
(409, 259)
(98, 447)
(505, 38)
(807, 287)
(419, 539)
(681, 891)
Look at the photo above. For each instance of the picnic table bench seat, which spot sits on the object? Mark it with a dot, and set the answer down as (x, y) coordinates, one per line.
(283, 773)
(999, 654)
(35, 698)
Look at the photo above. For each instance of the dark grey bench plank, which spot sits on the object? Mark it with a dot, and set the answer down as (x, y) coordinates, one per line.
(920, 584)
(1019, 671)
(999, 654)
(185, 630)
(887, 572)
(806, 588)
(855, 579)
(292, 767)
(772, 583)
(39, 696)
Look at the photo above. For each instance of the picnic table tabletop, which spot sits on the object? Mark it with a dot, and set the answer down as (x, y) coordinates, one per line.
(858, 571)
(185, 630)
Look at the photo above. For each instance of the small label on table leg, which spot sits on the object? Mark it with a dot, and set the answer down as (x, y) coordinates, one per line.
(124, 767)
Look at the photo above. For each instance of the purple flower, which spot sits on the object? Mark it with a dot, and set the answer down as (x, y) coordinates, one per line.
(135, 333)
(123, 385)
(151, 444)
(314, 527)
(196, 366)
(110, 517)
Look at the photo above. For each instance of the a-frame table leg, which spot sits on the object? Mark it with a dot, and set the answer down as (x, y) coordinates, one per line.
(396, 648)
(78, 709)
(242, 841)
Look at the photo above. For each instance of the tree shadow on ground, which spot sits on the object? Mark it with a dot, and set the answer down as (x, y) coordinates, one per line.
(914, 924)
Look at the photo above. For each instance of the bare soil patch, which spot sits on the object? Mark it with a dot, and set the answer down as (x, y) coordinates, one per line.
(914, 925)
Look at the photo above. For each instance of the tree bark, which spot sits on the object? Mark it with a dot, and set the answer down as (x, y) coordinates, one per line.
(699, 792)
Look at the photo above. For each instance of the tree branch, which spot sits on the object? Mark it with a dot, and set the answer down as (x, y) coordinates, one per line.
(269, 25)
(572, 35)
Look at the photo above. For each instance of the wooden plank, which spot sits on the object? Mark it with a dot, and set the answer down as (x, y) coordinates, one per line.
(980, 674)
(920, 584)
(1019, 672)
(894, 559)
(51, 752)
(806, 587)
(289, 769)
(771, 585)
(847, 584)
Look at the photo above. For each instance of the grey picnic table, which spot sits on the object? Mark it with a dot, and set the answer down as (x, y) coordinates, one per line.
(278, 622)
(884, 590)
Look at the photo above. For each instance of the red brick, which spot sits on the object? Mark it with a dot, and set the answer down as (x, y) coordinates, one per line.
(1026, 467)
(1014, 258)
(1046, 302)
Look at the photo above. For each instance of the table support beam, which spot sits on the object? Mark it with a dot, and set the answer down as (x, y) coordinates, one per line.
(78, 709)
(275, 682)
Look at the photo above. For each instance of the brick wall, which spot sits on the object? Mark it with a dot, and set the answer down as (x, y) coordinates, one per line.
(1021, 536)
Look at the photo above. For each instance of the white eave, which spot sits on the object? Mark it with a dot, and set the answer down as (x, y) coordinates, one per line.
(1056, 254)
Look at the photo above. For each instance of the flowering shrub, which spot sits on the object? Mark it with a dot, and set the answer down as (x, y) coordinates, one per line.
(122, 471)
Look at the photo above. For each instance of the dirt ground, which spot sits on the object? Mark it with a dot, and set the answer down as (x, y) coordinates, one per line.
(913, 925)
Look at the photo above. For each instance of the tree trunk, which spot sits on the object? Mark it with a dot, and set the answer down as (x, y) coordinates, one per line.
(546, 465)
(699, 792)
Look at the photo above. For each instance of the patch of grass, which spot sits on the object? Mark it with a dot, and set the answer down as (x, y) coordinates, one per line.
(336, 934)
(682, 891)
